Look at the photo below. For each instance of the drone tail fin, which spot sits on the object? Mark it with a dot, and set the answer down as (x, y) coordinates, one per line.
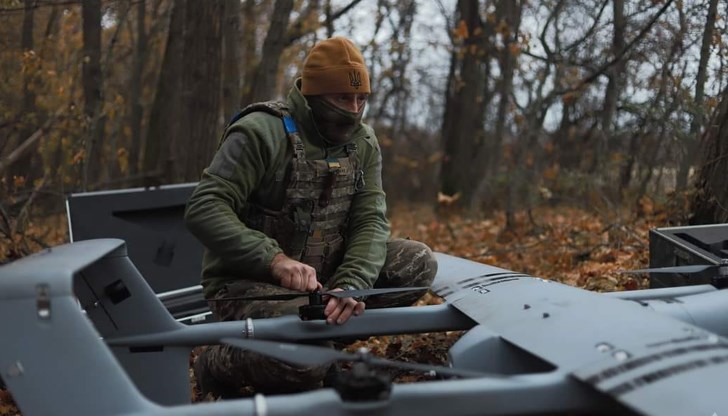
(51, 356)
(121, 303)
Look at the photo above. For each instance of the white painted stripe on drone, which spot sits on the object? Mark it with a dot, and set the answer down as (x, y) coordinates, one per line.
(260, 405)
(248, 330)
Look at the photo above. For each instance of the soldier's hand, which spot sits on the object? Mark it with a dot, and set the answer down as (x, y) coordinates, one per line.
(293, 274)
(339, 310)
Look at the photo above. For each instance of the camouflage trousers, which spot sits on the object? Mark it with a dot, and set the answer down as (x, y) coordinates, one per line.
(408, 264)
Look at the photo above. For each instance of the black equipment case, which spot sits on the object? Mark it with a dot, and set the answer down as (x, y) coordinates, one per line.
(689, 245)
(151, 221)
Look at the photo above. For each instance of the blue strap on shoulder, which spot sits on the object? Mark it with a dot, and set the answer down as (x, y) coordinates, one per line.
(237, 116)
(289, 124)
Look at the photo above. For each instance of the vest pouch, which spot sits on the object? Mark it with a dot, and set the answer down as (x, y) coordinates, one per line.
(284, 231)
(267, 221)
(277, 226)
(324, 256)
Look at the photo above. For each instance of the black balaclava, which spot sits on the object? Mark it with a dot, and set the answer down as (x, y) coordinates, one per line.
(335, 124)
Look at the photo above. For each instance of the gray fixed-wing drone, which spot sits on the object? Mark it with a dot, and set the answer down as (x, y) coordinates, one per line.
(83, 333)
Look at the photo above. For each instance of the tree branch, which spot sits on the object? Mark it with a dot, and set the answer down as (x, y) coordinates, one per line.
(25, 146)
(296, 30)
(618, 57)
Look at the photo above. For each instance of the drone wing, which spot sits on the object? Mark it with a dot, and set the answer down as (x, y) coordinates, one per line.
(648, 362)
(457, 277)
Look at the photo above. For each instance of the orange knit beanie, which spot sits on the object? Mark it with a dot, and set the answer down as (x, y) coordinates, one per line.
(334, 66)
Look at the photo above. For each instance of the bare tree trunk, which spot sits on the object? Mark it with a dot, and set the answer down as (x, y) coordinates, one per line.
(163, 136)
(92, 94)
(52, 24)
(710, 201)
(329, 19)
(308, 21)
(259, 75)
(201, 78)
(264, 80)
(231, 58)
(137, 110)
(392, 86)
(662, 108)
(28, 46)
(247, 53)
(509, 13)
(698, 110)
(57, 168)
(462, 127)
(615, 74)
(23, 167)
(614, 85)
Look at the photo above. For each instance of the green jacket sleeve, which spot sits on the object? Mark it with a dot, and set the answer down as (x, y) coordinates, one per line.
(368, 228)
(221, 198)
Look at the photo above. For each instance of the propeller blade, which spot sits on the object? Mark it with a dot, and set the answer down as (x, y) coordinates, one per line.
(433, 369)
(282, 296)
(291, 353)
(697, 268)
(338, 294)
(370, 292)
(314, 355)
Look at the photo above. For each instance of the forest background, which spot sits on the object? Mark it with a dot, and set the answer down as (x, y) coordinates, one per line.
(480, 106)
(545, 136)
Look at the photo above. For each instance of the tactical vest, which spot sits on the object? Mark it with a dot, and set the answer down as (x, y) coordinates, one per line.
(311, 225)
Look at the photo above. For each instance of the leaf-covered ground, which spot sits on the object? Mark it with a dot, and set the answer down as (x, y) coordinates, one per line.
(577, 247)
(569, 245)
(572, 246)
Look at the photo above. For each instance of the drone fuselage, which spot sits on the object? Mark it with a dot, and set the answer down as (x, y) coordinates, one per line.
(84, 309)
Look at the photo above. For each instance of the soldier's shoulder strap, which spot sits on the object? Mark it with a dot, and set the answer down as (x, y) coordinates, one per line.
(278, 109)
(275, 108)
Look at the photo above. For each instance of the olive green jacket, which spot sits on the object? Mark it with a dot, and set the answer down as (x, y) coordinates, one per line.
(250, 166)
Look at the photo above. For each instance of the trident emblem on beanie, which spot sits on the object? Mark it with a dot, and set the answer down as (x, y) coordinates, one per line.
(334, 66)
(355, 79)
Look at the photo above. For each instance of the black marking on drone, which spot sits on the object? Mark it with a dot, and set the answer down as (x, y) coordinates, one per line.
(490, 276)
(676, 341)
(655, 376)
(481, 287)
(492, 281)
(447, 293)
(472, 282)
(612, 372)
(147, 348)
(665, 300)
(670, 300)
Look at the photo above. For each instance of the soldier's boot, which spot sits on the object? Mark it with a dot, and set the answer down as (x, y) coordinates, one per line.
(206, 381)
